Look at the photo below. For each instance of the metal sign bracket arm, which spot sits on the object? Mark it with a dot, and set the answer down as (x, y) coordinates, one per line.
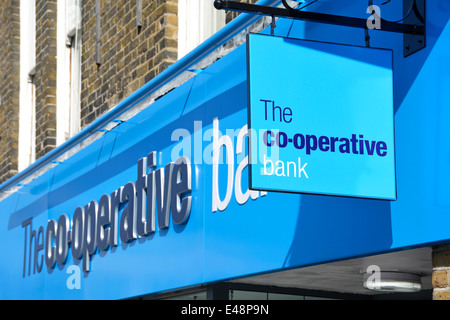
(412, 26)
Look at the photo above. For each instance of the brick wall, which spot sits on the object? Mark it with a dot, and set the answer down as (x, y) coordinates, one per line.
(130, 55)
(441, 269)
(45, 76)
(230, 15)
(9, 87)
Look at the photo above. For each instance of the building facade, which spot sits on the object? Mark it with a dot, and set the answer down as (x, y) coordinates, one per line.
(73, 61)
(65, 66)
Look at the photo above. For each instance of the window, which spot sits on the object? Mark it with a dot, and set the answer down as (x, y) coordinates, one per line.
(197, 21)
(27, 111)
(68, 69)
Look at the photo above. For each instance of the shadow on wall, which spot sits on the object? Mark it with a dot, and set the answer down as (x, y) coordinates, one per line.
(329, 226)
(407, 69)
(346, 226)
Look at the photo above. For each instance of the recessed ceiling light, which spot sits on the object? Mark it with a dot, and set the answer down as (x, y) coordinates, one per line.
(392, 281)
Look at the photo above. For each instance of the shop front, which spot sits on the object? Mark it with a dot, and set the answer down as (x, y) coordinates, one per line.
(161, 204)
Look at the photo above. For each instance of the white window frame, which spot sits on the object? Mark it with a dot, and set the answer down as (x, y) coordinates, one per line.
(197, 21)
(68, 81)
(27, 105)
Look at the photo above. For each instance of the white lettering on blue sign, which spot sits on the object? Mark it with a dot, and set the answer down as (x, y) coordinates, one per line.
(233, 178)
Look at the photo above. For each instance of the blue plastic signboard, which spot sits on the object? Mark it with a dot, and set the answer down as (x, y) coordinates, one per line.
(321, 118)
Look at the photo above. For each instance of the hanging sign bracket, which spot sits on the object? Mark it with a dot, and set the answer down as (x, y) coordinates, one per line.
(412, 26)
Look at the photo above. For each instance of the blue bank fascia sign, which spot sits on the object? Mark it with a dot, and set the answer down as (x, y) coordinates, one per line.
(163, 201)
